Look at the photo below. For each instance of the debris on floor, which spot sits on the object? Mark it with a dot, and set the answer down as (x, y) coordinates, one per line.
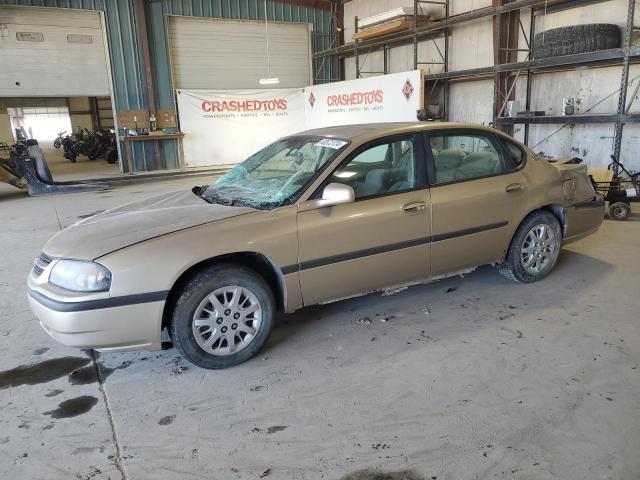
(426, 311)
(264, 473)
(386, 293)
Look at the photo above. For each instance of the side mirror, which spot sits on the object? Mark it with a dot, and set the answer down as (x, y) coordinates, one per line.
(337, 194)
(333, 194)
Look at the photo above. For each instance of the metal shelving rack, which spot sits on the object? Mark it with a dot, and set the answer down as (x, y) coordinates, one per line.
(622, 56)
(504, 71)
(384, 42)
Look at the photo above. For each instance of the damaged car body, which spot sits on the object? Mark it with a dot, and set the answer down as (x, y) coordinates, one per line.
(315, 217)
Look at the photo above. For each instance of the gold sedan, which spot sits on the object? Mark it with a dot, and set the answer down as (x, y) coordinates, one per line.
(312, 218)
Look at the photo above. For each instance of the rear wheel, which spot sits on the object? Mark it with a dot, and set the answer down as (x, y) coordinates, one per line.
(619, 211)
(534, 248)
(223, 316)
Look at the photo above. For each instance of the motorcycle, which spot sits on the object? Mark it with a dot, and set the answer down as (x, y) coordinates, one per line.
(101, 140)
(57, 143)
(84, 142)
(111, 151)
(69, 149)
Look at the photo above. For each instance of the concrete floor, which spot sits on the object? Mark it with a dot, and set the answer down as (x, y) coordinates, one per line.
(63, 170)
(500, 380)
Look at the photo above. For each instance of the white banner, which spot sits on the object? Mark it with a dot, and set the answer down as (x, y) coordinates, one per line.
(224, 127)
(386, 98)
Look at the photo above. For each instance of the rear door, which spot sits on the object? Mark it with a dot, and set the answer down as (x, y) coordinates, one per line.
(478, 196)
(381, 239)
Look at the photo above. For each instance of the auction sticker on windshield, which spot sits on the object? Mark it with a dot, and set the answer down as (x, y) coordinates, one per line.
(331, 143)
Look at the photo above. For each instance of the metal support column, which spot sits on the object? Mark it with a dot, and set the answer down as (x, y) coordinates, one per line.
(416, 5)
(95, 114)
(146, 59)
(355, 48)
(445, 85)
(496, 60)
(624, 81)
(385, 59)
(532, 31)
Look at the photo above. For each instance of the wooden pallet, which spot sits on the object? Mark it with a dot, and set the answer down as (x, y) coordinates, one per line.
(398, 25)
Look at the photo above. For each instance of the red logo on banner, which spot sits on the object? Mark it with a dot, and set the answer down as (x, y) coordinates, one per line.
(244, 105)
(356, 98)
(407, 89)
(312, 99)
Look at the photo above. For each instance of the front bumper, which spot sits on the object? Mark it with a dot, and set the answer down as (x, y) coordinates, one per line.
(583, 219)
(133, 323)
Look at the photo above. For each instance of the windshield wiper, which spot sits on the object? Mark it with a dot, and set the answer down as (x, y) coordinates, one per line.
(202, 193)
(199, 191)
(227, 202)
(214, 198)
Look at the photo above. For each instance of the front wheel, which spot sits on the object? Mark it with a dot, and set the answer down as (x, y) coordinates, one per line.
(223, 316)
(534, 248)
(57, 143)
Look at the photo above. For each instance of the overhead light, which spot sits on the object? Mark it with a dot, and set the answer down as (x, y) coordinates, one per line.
(270, 80)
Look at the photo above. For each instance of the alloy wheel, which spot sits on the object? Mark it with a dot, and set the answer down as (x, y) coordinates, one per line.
(227, 320)
(538, 249)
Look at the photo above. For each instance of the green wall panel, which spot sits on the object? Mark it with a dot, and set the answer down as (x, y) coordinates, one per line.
(123, 38)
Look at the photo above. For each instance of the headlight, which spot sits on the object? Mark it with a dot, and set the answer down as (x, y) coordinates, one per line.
(80, 276)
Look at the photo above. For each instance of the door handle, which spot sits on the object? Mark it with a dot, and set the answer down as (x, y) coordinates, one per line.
(514, 188)
(414, 207)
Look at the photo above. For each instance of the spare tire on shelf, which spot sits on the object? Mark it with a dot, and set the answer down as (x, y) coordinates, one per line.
(589, 37)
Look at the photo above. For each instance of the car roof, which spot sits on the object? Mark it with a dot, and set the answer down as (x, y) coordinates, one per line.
(375, 130)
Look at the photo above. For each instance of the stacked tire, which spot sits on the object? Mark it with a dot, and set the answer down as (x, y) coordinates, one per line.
(575, 39)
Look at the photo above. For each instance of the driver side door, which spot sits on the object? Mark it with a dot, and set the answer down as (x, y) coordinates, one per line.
(379, 240)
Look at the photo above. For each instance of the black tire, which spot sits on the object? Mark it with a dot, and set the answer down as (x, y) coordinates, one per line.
(575, 39)
(619, 211)
(57, 143)
(513, 268)
(201, 286)
(71, 156)
(111, 157)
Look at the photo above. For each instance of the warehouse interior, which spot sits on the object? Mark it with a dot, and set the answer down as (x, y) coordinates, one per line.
(383, 348)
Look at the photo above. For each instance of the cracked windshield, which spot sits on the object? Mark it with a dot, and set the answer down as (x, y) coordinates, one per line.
(274, 176)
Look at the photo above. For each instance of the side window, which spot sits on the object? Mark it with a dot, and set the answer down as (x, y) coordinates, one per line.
(381, 169)
(373, 155)
(465, 156)
(515, 152)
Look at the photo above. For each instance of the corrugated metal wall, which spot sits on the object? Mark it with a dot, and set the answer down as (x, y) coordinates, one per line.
(233, 9)
(129, 83)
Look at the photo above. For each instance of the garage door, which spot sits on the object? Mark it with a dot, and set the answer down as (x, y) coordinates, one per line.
(64, 46)
(231, 54)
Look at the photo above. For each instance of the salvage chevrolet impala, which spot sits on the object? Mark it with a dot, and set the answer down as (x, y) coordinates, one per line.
(312, 218)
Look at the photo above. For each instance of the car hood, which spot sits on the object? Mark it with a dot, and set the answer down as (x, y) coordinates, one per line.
(135, 222)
